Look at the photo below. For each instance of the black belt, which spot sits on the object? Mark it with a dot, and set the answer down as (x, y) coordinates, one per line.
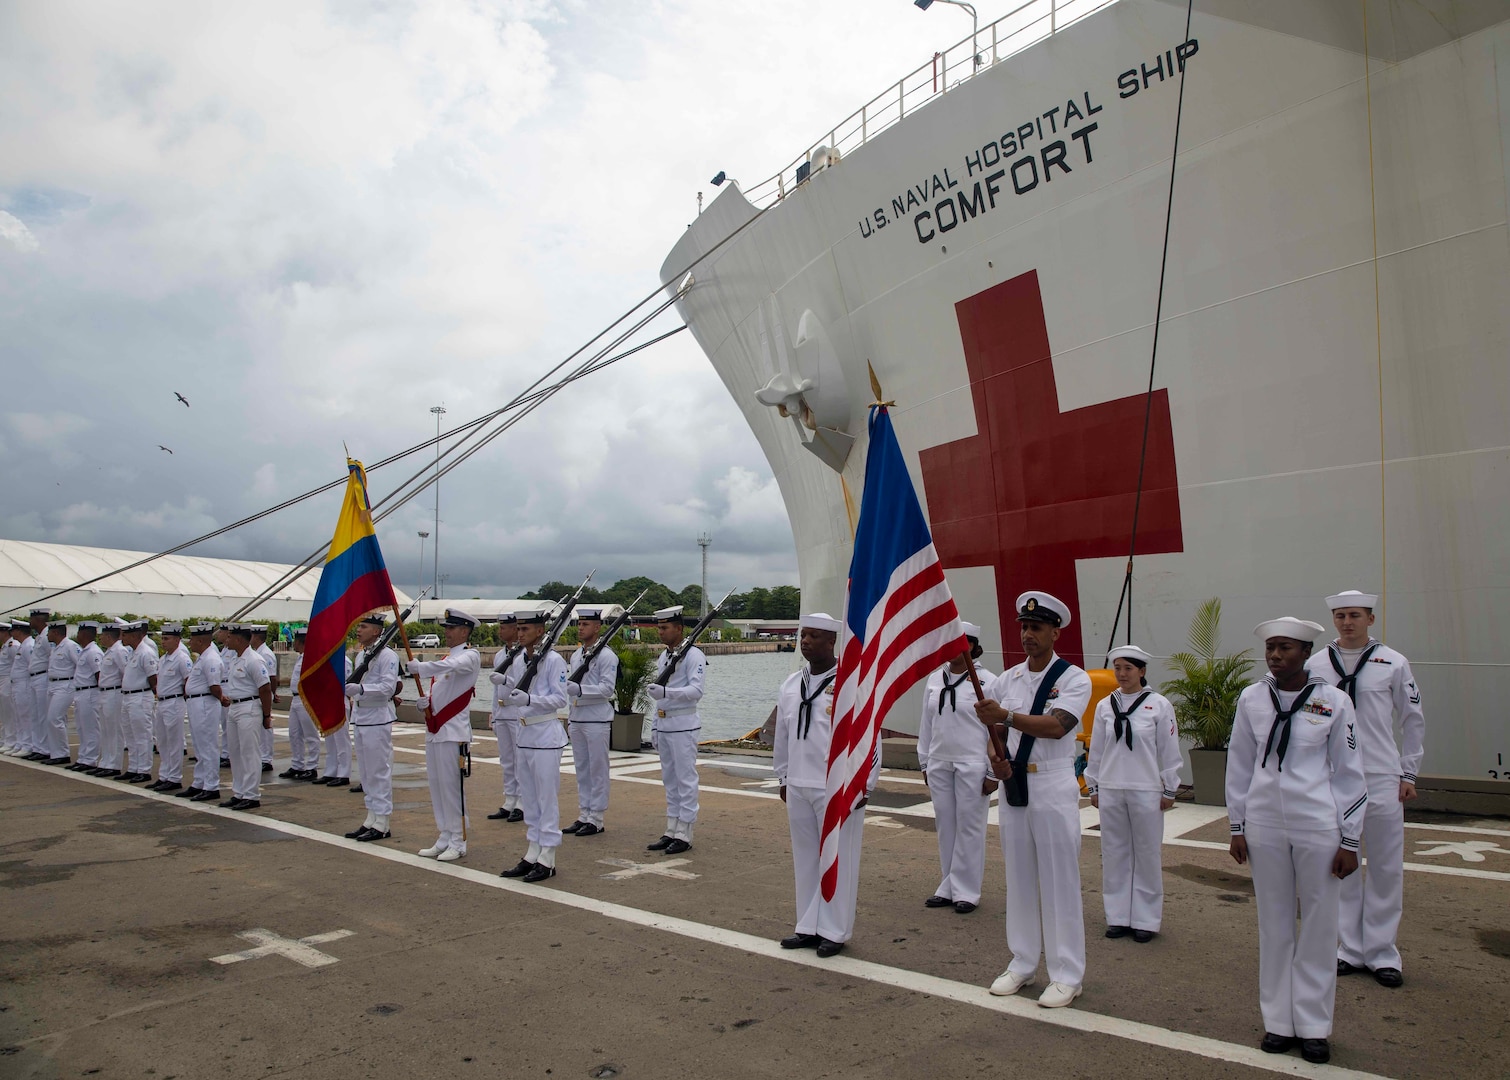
(110, 688)
(65, 678)
(240, 700)
(168, 697)
(143, 690)
(191, 697)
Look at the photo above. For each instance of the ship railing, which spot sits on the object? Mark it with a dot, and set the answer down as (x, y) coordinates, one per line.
(1025, 25)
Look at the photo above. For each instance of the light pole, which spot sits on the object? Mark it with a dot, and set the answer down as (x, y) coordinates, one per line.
(703, 541)
(420, 579)
(924, 5)
(439, 411)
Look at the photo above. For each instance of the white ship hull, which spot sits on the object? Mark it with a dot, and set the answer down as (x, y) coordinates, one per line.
(1323, 419)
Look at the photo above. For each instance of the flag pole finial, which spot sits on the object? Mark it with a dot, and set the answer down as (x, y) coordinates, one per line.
(875, 388)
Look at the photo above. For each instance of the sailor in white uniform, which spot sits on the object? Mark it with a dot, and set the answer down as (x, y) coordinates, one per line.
(674, 729)
(137, 687)
(171, 709)
(448, 728)
(952, 752)
(1379, 682)
(112, 704)
(303, 736)
(541, 739)
(246, 690)
(41, 657)
(270, 662)
(1132, 776)
(1041, 702)
(371, 718)
(20, 688)
(62, 663)
(204, 714)
(86, 697)
(1296, 798)
(505, 719)
(804, 726)
(10, 646)
(591, 720)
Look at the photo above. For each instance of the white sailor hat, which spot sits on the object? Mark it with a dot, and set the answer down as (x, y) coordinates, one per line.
(374, 618)
(1041, 607)
(970, 629)
(1352, 598)
(1129, 652)
(57, 624)
(19, 624)
(257, 628)
(531, 618)
(819, 620)
(113, 627)
(668, 614)
(173, 629)
(200, 628)
(1298, 629)
(507, 618)
(457, 617)
(590, 611)
(301, 632)
(89, 624)
(239, 629)
(134, 627)
(44, 612)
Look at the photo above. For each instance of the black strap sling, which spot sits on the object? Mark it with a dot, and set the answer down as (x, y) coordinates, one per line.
(1016, 788)
(805, 710)
(1348, 683)
(1282, 718)
(1125, 718)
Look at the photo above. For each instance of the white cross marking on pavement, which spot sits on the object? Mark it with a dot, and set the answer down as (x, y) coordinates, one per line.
(301, 951)
(881, 821)
(763, 784)
(1470, 850)
(665, 868)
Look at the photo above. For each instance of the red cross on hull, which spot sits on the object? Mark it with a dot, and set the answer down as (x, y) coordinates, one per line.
(1036, 489)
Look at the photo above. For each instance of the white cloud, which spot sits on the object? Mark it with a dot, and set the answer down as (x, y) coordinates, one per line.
(14, 231)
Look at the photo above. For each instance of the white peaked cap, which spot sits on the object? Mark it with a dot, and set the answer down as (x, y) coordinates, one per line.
(1128, 652)
(1299, 629)
(970, 629)
(819, 620)
(1352, 598)
(674, 612)
(1032, 606)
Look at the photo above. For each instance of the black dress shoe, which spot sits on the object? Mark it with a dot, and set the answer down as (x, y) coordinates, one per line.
(230, 804)
(308, 774)
(108, 774)
(77, 766)
(225, 763)
(64, 760)
(137, 778)
(1389, 977)
(1316, 1051)
(1344, 968)
(1118, 931)
(356, 789)
(324, 780)
(35, 755)
(660, 845)
(937, 901)
(677, 846)
(170, 786)
(589, 829)
(964, 907)
(1142, 937)
(153, 786)
(186, 793)
(267, 766)
(373, 834)
(1278, 1044)
(516, 815)
(827, 948)
(501, 815)
(289, 774)
(248, 804)
(356, 834)
(523, 867)
(801, 941)
(340, 781)
(573, 827)
(126, 777)
(539, 873)
(206, 796)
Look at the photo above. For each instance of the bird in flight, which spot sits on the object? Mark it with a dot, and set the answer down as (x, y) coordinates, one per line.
(160, 446)
(185, 400)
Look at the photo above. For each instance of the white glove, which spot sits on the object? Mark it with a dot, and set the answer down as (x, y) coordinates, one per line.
(353, 690)
(655, 740)
(573, 690)
(518, 697)
(656, 691)
(423, 703)
(498, 678)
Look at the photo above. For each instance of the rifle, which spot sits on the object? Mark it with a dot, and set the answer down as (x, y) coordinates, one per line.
(620, 621)
(552, 635)
(384, 640)
(690, 640)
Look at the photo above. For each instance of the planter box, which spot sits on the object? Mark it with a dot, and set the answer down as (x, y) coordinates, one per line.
(1208, 774)
(628, 731)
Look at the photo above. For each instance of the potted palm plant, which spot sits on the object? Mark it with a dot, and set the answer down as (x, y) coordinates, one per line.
(1204, 693)
(629, 698)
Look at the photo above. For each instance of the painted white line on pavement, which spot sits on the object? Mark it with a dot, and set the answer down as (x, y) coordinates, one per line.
(869, 970)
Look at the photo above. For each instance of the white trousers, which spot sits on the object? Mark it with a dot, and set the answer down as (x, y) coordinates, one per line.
(1040, 843)
(7, 718)
(112, 741)
(678, 752)
(168, 733)
(589, 752)
(338, 752)
(1297, 970)
(443, 766)
(832, 919)
(374, 747)
(21, 710)
(1132, 868)
(539, 796)
(136, 723)
(39, 698)
(204, 728)
(303, 737)
(244, 729)
(265, 745)
(86, 717)
(507, 732)
(960, 811)
(59, 701)
(1372, 898)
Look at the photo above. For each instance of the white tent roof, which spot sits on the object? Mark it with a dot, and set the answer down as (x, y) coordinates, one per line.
(172, 587)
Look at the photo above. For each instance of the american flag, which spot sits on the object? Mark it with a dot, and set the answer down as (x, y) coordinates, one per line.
(900, 623)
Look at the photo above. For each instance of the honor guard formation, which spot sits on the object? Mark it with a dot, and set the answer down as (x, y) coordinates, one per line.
(1314, 774)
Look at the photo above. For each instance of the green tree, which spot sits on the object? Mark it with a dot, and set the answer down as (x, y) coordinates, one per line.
(786, 602)
(691, 598)
(1205, 690)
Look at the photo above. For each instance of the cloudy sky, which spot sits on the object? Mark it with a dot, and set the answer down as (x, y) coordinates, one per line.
(317, 220)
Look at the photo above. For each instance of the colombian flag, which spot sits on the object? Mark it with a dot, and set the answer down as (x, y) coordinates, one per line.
(354, 582)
